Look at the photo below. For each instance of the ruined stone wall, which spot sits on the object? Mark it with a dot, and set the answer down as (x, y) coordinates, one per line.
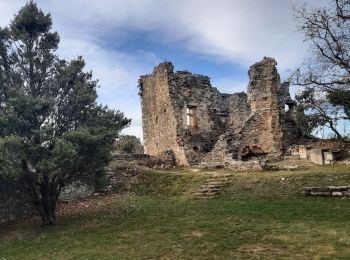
(225, 150)
(229, 127)
(190, 90)
(327, 191)
(165, 97)
(238, 111)
(255, 127)
(158, 117)
(261, 135)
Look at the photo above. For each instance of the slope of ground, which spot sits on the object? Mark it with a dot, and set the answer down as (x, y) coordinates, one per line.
(258, 215)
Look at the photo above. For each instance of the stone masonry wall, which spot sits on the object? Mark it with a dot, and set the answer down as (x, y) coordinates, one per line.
(229, 127)
(327, 191)
(262, 133)
(189, 90)
(165, 97)
(225, 150)
(158, 117)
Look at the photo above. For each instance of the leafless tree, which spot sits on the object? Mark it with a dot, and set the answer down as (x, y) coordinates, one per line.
(327, 29)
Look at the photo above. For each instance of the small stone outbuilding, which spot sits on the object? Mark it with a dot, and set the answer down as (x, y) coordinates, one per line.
(184, 114)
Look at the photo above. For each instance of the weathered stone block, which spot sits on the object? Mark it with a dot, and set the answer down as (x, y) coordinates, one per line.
(337, 193)
(316, 156)
(303, 152)
(347, 192)
(339, 188)
(320, 193)
(329, 156)
(327, 191)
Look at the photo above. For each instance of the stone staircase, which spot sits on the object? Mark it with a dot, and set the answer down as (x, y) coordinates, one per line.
(212, 187)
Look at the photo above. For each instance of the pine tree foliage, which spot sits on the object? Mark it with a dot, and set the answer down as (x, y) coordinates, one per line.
(52, 130)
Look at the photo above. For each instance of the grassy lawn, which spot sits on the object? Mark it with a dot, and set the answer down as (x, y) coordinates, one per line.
(258, 215)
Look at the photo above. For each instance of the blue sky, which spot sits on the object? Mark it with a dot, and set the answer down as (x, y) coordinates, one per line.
(123, 39)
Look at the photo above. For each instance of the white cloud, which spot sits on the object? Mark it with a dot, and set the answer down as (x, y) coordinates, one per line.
(238, 32)
(7, 11)
(118, 74)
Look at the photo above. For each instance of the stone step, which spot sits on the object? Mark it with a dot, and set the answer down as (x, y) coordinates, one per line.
(208, 190)
(220, 177)
(204, 197)
(212, 186)
(215, 179)
(206, 193)
(218, 181)
(213, 190)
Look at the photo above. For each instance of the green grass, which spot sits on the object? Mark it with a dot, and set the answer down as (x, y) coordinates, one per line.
(258, 215)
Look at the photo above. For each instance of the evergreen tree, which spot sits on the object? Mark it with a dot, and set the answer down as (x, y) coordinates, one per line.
(52, 131)
(128, 144)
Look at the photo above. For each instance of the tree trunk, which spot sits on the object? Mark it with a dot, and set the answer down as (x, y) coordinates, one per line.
(47, 215)
(44, 194)
(46, 202)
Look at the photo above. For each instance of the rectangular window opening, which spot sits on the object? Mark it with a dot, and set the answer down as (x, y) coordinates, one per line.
(191, 113)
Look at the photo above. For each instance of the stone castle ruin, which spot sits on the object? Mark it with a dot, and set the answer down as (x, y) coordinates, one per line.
(184, 115)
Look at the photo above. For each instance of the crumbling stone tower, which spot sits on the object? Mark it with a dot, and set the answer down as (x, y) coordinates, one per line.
(262, 132)
(183, 113)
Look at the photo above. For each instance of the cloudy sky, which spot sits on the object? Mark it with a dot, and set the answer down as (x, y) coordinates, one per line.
(123, 39)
